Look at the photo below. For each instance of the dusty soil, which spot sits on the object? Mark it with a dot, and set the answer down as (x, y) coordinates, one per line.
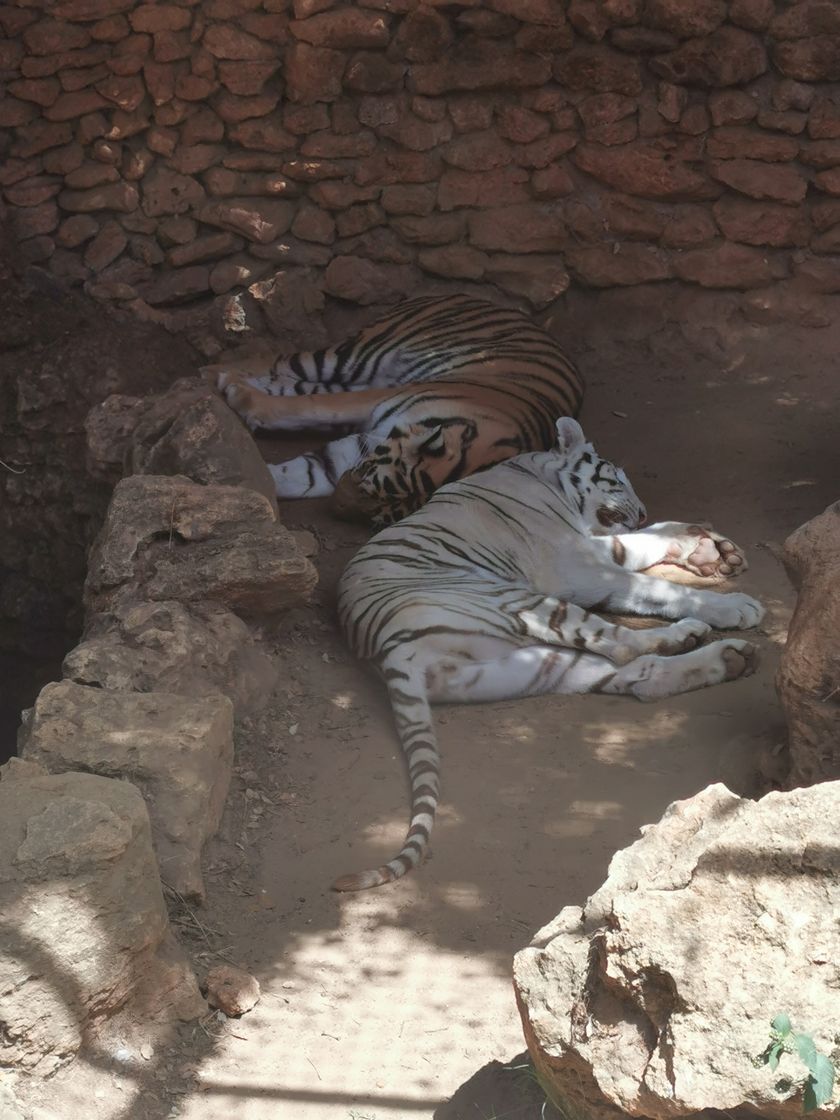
(397, 1004)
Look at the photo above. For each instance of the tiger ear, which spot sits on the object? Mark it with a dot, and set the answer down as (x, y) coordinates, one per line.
(434, 440)
(570, 435)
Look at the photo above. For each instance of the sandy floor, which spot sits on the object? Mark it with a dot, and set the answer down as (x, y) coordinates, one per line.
(385, 1005)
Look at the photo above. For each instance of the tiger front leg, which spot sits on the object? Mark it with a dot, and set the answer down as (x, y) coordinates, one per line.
(695, 548)
(564, 624)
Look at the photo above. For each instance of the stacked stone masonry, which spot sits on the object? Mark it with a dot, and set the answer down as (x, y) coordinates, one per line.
(228, 154)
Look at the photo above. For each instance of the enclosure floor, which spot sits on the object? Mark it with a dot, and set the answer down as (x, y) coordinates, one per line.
(383, 1005)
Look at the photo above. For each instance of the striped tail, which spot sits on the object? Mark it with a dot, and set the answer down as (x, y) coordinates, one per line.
(413, 717)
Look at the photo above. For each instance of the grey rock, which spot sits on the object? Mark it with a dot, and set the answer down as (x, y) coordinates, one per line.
(656, 997)
(176, 749)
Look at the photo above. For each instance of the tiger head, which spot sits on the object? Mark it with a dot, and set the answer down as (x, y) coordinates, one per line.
(598, 490)
(401, 473)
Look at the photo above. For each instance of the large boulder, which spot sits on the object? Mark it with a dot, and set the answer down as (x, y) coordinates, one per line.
(188, 430)
(83, 926)
(176, 749)
(200, 649)
(170, 538)
(809, 675)
(656, 997)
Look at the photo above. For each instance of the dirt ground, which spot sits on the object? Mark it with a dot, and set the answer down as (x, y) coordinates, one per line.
(397, 1003)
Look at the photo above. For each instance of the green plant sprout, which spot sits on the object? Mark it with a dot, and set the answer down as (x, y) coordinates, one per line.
(784, 1040)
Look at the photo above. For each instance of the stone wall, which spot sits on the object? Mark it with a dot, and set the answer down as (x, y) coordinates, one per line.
(252, 156)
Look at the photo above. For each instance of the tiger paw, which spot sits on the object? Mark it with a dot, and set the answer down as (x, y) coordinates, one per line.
(244, 399)
(729, 612)
(704, 552)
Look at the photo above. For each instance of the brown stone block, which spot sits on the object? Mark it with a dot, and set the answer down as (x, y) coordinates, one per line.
(113, 28)
(754, 15)
(359, 219)
(202, 127)
(14, 113)
(416, 134)
(159, 17)
(552, 182)
(127, 92)
(471, 188)
(326, 145)
(728, 266)
(761, 180)
(51, 36)
(86, 10)
(34, 221)
(39, 137)
(600, 266)
(736, 142)
(821, 153)
(335, 195)
(478, 151)
(245, 79)
(72, 80)
(227, 182)
(62, 160)
(34, 66)
(365, 282)
(43, 91)
(643, 40)
(643, 169)
(313, 73)
(345, 29)
(458, 262)
(196, 158)
(542, 153)
(91, 174)
(521, 126)
(809, 60)
(167, 192)
(809, 17)
(194, 87)
(224, 40)
(32, 192)
(264, 134)
(828, 181)
(69, 106)
(535, 227)
(435, 229)
(106, 246)
(424, 35)
(172, 46)
(789, 121)
(13, 170)
(121, 197)
(727, 57)
(598, 68)
(370, 72)
(761, 223)
(398, 167)
(499, 69)
(257, 220)
(687, 226)
(687, 19)
(824, 119)
(207, 248)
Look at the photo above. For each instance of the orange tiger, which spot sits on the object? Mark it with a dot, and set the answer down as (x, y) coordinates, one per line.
(435, 390)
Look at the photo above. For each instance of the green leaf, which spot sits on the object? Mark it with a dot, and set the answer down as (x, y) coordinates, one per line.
(822, 1079)
(773, 1056)
(781, 1024)
(806, 1050)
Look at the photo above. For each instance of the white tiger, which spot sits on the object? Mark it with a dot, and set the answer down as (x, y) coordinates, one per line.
(485, 594)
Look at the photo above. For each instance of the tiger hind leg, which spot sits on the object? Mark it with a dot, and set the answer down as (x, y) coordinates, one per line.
(564, 624)
(540, 670)
(315, 474)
